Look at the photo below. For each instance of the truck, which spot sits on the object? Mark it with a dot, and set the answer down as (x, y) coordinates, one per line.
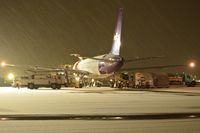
(143, 80)
(140, 80)
(121, 80)
(181, 79)
(151, 80)
(34, 81)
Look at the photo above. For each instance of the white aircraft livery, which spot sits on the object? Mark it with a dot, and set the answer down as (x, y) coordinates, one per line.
(107, 64)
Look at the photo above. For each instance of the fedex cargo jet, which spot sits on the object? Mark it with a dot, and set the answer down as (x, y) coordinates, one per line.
(103, 65)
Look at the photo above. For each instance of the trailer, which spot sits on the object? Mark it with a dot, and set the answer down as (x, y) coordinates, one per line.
(140, 80)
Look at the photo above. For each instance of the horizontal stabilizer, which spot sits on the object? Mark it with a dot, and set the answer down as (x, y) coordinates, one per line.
(94, 58)
(76, 55)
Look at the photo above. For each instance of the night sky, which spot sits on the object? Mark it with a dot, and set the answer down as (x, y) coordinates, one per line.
(45, 32)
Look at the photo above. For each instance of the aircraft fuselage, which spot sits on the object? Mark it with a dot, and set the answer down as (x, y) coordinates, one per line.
(101, 69)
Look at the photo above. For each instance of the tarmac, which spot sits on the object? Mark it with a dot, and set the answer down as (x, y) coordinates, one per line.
(179, 89)
(99, 110)
(172, 89)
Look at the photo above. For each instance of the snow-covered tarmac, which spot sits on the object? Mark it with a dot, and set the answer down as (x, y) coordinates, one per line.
(94, 101)
(97, 101)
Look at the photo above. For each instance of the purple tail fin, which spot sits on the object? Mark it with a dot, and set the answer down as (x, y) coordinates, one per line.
(117, 35)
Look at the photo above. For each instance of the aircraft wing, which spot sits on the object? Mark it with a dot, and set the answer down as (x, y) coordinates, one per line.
(143, 58)
(38, 69)
(77, 71)
(151, 67)
(35, 69)
(58, 70)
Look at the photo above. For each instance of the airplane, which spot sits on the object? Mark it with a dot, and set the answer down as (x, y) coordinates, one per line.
(101, 66)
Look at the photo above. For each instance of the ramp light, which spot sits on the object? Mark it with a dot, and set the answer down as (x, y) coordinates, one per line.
(3, 64)
(192, 64)
(11, 76)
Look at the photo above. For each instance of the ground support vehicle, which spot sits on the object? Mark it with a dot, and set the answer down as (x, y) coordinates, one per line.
(34, 81)
(140, 80)
(121, 80)
(181, 79)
